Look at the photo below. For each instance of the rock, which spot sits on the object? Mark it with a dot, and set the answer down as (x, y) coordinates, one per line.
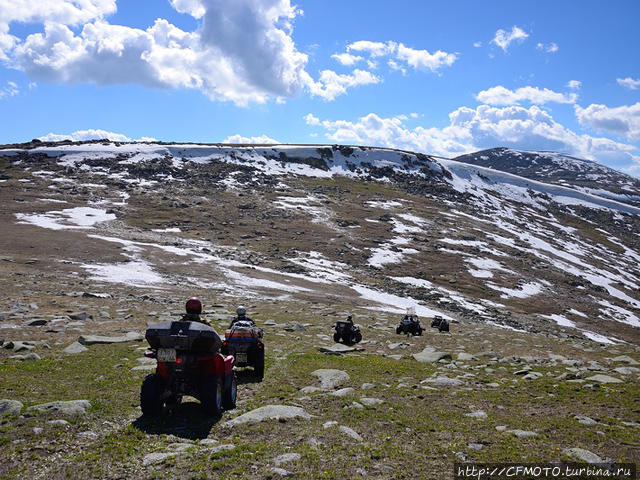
(585, 420)
(19, 346)
(524, 371)
(357, 405)
(58, 423)
(75, 347)
(268, 412)
(522, 434)
(350, 433)
(329, 424)
(95, 295)
(581, 455)
(269, 322)
(68, 408)
(475, 446)
(465, 357)
(367, 386)
(338, 349)
(28, 356)
(444, 381)
(208, 442)
(36, 323)
(501, 428)
(625, 359)
(220, 448)
(286, 458)
(603, 379)
(81, 317)
(310, 389)
(144, 368)
(532, 376)
(394, 346)
(430, 355)
(330, 378)
(88, 435)
(282, 472)
(479, 415)
(626, 370)
(155, 458)
(343, 392)
(97, 339)
(10, 407)
(396, 356)
(296, 327)
(370, 402)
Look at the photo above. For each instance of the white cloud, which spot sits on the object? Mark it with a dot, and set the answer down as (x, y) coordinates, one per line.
(630, 83)
(346, 58)
(11, 89)
(504, 39)
(477, 44)
(500, 95)
(423, 59)
(574, 84)
(81, 135)
(330, 84)
(475, 129)
(242, 51)
(393, 65)
(374, 49)
(550, 48)
(262, 139)
(623, 121)
(146, 139)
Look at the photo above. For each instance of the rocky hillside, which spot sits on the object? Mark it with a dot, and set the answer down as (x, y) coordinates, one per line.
(559, 169)
(540, 281)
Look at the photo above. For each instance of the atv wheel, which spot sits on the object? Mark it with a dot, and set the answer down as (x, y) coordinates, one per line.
(398, 330)
(230, 394)
(258, 366)
(336, 337)
(358, 337)
(151, 395)
(419, 332)
(211, 395)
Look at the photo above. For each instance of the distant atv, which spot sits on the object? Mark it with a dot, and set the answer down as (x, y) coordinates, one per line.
(440, 323)
(189, 363)
(409, 325)
(347, 332)
(244, 341)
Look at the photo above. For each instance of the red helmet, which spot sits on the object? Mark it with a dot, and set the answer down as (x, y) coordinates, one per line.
(194, 305)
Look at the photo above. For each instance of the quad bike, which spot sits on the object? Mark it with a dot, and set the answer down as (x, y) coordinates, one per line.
(244, 341)
(440, 323)
(347, 332)
(409, 325)
(189, 363)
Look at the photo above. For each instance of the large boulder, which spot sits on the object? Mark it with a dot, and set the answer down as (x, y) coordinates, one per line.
(268, 412)
(10, 407)
(68, 408)
(330, 378)
(430, 355)
(97, 339)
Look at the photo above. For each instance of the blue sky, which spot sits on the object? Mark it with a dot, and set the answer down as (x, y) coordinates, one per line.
(443, 78)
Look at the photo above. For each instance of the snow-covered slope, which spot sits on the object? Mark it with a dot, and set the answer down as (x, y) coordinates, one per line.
(559, 169)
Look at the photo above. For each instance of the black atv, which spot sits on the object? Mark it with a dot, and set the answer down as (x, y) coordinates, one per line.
(409, 325)
(347, 332)
(440, 323)
(189, 363)
(244, 341)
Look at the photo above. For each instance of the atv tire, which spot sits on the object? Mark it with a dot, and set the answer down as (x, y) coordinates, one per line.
(398, 330)
(211, 395)
(151, 395)
(358, 337)
(419, 331)
(230, 394)
(336, 337)
(258, 367)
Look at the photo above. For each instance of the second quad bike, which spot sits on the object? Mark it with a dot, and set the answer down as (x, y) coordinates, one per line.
(410, 325)
(244, 341)
(188, 363)
(347, 332)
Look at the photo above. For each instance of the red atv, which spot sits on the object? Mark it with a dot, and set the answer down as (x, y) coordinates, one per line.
(189, 363)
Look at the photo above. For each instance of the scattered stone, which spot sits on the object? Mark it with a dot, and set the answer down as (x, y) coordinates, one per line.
(19, 346)
(220, 448)
(330, 378)
(581, 455)
(394, 346)
(343, 392)
(501, 428)
(95, 295)
(350, 433)
(10, 407)
(444, 381)
(296, 327)
(479, 415)
(81, 317)
(27, 357)
(522, 434)
(58, 423)
(603, 379)
(430, 355)
(626, 370)
(396, 356)
(584, 420)
(37, 323)
(286, 458)
(532, 376)
(625, 359)
(310, 389)
(282, 472)
(68, 408)
(269, 322)
(97, 339)
(268, 412)
(524, 371)
(209, 442)
(144, 368)
(329, 424)
(465, 357)
(370, 402)
(75, 347)
(475, 446)
(338, 349)
(367, 386)
(155, 458)
(88, 435)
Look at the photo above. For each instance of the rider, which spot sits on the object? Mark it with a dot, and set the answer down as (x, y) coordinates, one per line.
(194, 309)
(241, 313)
(350, 320)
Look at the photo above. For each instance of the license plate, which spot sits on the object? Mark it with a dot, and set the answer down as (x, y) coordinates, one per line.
(166, 354)
(241, 357)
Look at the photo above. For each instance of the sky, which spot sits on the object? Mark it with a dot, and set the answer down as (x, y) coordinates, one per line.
(441, 78)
